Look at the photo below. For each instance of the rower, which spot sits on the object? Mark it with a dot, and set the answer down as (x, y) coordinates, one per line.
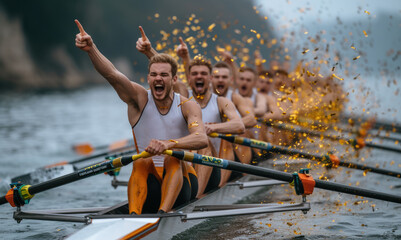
(157, 183)
(218, 113)
(264, 85)
(222, 79)
(246, 87)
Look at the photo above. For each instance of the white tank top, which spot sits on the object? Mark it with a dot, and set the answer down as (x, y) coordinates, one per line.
(153, 125)
(211, 114)
(229, 96)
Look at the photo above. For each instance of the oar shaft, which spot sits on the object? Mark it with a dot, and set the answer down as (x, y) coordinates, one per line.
(370, 169)
(332, 137)
(294, 152)
(282, 176)
(81, 174)
(302, 130)
(332, 186)
(379, 146)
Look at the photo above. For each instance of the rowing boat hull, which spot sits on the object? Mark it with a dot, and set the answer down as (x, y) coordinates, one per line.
(161, 228)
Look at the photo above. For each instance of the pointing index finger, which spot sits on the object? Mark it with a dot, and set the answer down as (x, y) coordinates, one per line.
(181, 41)
(144, 38)
(81, 29)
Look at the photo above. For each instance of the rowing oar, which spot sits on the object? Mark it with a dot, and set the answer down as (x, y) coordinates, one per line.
(361, 131)
(87, 148)
(278, 175)
(48, 169)
(396, 127)
(329, 160)
(21, 194)
(358, 142)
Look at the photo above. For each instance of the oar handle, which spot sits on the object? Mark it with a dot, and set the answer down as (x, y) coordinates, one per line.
(277, 175)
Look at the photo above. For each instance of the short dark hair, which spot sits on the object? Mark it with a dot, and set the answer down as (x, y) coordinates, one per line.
(164, 58)
(223, 65)
(281, 72)
(248, 69)
(200, 61)
(265, 73)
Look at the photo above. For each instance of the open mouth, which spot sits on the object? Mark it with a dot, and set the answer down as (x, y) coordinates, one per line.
(159, 88)
(199, 84)
(244, 88)
(220, 88)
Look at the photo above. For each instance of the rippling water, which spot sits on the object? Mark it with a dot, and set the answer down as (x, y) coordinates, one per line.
(39, 129)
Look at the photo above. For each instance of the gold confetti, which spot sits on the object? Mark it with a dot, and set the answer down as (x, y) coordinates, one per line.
(172, 140)
(193, 124)
(367, 12)
(210, 28)
(337, 77)
(355, 58)
(364, 33)
(185, 101)
(305, 51)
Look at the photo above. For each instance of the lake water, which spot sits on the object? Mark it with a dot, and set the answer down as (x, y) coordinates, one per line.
(39, 129)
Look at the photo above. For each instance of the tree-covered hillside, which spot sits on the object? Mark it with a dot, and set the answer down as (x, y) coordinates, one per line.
(37, 37)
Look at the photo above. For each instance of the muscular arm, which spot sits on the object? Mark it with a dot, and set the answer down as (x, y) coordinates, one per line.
(229, 59)
(244, 107)
(233, 125)
(183, 53)
(130, 92)
(274, 113)
(261, 107)
(197, 138)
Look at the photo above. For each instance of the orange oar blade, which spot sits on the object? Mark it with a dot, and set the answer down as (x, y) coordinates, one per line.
(83, 149)
(118, 144)
(57, 164)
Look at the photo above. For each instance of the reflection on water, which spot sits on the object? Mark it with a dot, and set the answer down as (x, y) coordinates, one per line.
(39, 129)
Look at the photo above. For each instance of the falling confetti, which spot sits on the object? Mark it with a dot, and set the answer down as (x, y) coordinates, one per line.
(364, 33)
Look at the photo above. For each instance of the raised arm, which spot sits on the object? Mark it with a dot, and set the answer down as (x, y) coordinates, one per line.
(244, 107)
(229, 59)
(183, 53)
(232, 123)
(144, 46)
(128, 91)
(258, 61)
